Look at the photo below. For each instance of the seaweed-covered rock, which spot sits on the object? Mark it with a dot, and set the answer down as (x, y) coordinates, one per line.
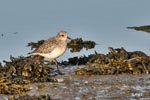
(78, 44)
(117, 61)
(23, 70)
(29, 68)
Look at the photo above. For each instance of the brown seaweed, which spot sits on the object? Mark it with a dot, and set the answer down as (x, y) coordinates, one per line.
(76, 45)
(28, 97)
(21, 71)
(117, 61)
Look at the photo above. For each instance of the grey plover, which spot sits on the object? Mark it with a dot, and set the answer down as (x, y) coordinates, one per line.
(53, 47)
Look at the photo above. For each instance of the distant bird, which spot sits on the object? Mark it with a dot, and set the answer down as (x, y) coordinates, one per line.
(53, 47)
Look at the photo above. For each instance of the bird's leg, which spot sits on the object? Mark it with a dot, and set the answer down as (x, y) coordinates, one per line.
(56, 63)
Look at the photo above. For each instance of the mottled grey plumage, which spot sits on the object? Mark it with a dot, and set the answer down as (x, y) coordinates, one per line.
(53, 47)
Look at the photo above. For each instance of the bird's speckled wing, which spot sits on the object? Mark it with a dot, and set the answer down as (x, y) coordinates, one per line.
(47, 47)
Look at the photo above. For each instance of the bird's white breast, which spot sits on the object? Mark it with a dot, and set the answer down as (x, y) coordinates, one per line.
(53, 54)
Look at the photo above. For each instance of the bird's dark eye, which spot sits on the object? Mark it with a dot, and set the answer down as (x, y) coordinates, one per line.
(62, 35)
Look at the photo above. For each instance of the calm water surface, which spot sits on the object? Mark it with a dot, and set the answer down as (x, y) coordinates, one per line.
(103, 21)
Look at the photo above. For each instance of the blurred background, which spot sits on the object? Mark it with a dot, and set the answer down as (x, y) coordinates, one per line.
(102, 21)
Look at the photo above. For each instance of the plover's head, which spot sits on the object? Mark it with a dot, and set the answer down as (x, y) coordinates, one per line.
(62, 35)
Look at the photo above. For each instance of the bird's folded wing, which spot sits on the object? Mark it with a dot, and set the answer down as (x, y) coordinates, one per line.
(47, 47)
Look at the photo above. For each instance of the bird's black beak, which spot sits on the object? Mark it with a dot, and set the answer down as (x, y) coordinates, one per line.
(69, 38)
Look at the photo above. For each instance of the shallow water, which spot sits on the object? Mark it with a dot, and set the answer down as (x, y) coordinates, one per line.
(103, 87)
(102, 21)
(97, 87)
